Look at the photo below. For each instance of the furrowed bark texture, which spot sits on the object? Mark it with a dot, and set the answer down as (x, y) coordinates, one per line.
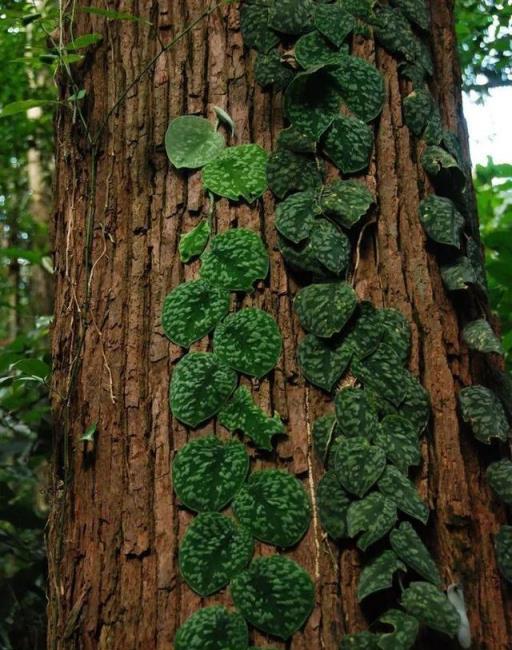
(115, 525)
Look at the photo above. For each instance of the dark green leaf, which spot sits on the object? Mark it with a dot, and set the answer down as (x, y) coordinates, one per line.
(292, 139)
(213, 628)
(397, 437)
(416, 405)
(358, 464)
(355, 413)
(416, 11)
(323, 362)
(483, 410)
(503, 546)
(237, 172)
(324, 309)
(396, 332)
(379, 574)
(332, 502)
(382, 371)
(479, 335)
(417, 110)
(442, 166)
(313, 50)
(291, 16)
(399, 489)
(347, 201)
(295, 216)
(375, 514)
(330, 246)
(349, 144)
(359, 641)
(368, 331)
(459, 274)
(334, 22)
(407, 544)
(431, 607)
(270, 69)
(441, 220)
(254, 25)
(405, 630)
(288, 171)
(499, 476)
(193, 243)
(324, 433)
(192, 141)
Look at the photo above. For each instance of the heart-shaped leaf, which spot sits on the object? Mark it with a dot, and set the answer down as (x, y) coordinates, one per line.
(323, 362)
(359, 641)
(349, 144)
(398, 438)
(324, 433)
(416, 404)
(356, 414)
(375, 514)
(274, 506)
(330, 246)
(324, 309)
(242, 414)
(441, 220)
(332, 502)
(358, 464)
(293, 140)
(405, 630)
(415, 10)
(383, 372)
(443, 167)
(398, 488)
(483, 410)
(213, 628)
(479, 335)
(291, 16)
(275, 595)
(459, 274)
(295, 216)
(407, 544)
(379, 574)
(207, 473)
(347, 201)
(271, 70)
(417, 110)
(334, 22)
(368, 331)
(214, 550)
(192, 310)
(192, 141)
(431, 607)
(193, 243)
(235, 260)
(396, 332)
(312, 50)
(289, 171)
(394, 32)
(238, 172)
(254, 25)
(249, 341)
(200, 385)
(301, 258)
(499, 476)
(503, 547)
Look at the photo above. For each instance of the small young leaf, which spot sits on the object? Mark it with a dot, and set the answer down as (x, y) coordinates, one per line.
(442, 222)
(431, 607)
(193, 243)
(375, 514)
(483, 410)
(407, 544)
(213, 628)
(478, 335)
(83, 41)
(323, 362)
(90, 433)
(332, 502)
(499, 476)
(503, 547)
(405, 630)
(399, 489)
(237, 172)
(379, 574)
(397, 437)
(192, 141)
(358, 464)
(355, 413)
(349, 144)
(324, 309)
(288, 171)
(225, 118)
(295, 216)
(347, 201)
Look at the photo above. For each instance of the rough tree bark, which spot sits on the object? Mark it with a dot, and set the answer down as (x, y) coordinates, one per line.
(115, 526)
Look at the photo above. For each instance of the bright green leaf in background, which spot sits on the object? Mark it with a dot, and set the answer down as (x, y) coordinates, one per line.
(192, 141)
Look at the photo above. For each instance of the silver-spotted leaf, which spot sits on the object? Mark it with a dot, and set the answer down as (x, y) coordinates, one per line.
(399, 489)
(359, 8)
(193, 243)
(313, 50)
(295, 215)
(407, 544)
(416, 404)
(192, 310)
(483, 410)
(192, 141)
(443, 167)
(358, 464)
(433, 133)
(213, 628)
(323, 362)
(235, 259)
(346, 201)
(405, 630)
(334, 22)
(415, 10)
(394, 32)
(499, 476)
(249, 341)
(417, 110)
(383, 372)
(431, 607)
(207, 473)
(398, 438)
(255, 28)
(503, 547)
(332, 502)
(291, 16)
(274, 506)
(330, 246)
(379, 574)
(200, 386)
(289, 171)
(237, 173)
(275, 595)
(214, 550)
(356, 414)
(479, 335)
(324, 433)
(375, 515)
(458, 274)
(396, 332)
(349, 143)
(270, 69)
(359, 641)
(292, 139)
(300, 257)
(475, 255)
(368, 331)
(242, 414)
(324, 309)
(441, 220)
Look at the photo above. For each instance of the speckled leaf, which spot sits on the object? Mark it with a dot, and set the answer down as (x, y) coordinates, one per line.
(358, 464)
(292, 139)
(383, 372)
(200, 385)
(396, 332)
(213, 628)
(361, 86)
(295, 215)
(397, 487)
(300, 257)
(359, 8)
(452, 144)
(238, 172)
(347, 201)
(334, 22)
(193, 243)
(474, 253)
(359, 641)
(255, 27)
(311, 102)
(324, 309)
(417, 110)
(442, 166)
(291, 16)
(355, 413)
(249, 341)
(270, 69)
(275, 595)
(379, 574)
(313, 50)
(207, 473)
(503, 547)
(407, 544)
(242, 414)
(433, 133)
(441, 220)
(416, 405)
(192, 310)
(274, 506)
(214, 550)
(479, 335)
(394, 32)
(349, 144)
(375, 514)
(330, 246)
(431, 607)
(324, 433)
(192, 141)
(499, 476)
(483, 410)
(288, 171)
(235, 260)
(459, 274)
(415, 10)
(332, 502)
(405, 630)
(397, 437)
(323, 362)
(366, 335)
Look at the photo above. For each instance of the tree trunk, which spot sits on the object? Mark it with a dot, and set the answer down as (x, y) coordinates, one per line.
(115, 525)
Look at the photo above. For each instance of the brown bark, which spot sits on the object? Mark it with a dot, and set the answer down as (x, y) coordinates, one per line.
(115, 525)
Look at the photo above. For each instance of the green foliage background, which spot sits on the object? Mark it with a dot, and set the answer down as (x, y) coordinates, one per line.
(484, 29)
